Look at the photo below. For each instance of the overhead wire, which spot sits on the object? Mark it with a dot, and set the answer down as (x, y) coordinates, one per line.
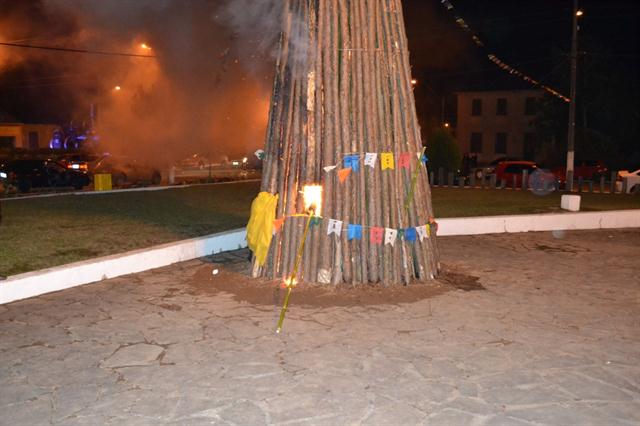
(72, 50)
(495, 59)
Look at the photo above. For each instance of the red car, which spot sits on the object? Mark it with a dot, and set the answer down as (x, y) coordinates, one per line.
(588, 170)
(507, 170)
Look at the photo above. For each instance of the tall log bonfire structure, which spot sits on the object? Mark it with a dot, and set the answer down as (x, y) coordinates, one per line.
(343, 87)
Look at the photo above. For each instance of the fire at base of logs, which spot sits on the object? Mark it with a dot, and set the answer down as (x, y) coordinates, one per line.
(343, 116)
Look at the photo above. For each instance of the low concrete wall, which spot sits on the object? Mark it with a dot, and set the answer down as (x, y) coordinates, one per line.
(31, 284)
(48, 280)
(538, 222)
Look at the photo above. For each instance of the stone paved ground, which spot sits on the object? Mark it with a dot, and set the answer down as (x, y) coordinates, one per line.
(555, 339)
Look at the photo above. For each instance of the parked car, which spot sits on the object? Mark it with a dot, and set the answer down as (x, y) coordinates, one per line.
(632, 180)
(507, 170)
(489, 169)
(588, 170)
(26, 174)
(126, 171)
(77, 161)
(195, 161)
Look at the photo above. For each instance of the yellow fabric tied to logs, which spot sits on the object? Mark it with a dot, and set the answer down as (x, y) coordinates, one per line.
(260, 226)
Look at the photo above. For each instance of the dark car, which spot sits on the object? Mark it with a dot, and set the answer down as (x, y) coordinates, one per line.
(588, 170)
(126, 171)
(508, 170)
(26, 174)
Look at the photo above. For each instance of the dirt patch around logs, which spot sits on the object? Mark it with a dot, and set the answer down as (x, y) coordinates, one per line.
(229, 273)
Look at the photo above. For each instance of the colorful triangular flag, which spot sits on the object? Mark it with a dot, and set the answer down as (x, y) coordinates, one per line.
(386, 160)
(354, 232)
(410, 234)
(277, 225)
(343, 174)
(376, 234)
(334, 227)
(370, 159)
(352, 161)
(422, 232)
(390, 236)
(404, 160)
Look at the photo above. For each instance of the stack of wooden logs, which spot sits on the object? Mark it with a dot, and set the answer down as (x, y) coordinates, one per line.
(343, 87)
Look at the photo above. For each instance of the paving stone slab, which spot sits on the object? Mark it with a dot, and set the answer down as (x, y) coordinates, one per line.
(553, 339)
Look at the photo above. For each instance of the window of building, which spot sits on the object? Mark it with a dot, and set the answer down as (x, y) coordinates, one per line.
(7, 142)
(476, 107)
(530, 106)
(476, 142)
(33, 140)
(501, 106)
(501, 143)
(529, 149)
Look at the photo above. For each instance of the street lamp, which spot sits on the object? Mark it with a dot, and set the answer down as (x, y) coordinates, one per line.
(571, 133)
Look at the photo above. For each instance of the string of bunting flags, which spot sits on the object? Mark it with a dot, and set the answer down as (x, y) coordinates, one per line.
(351, 162)
(493, 58)
(377, 235)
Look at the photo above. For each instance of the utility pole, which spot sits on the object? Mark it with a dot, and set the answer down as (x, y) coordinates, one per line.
(571, 134)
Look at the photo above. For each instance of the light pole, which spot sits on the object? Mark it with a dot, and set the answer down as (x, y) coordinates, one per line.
(571, 134)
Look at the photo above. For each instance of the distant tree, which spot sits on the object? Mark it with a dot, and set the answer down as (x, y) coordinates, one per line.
(442, 151)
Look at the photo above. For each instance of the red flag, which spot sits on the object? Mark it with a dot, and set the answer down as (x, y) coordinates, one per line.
(404, 161)
(376, 235)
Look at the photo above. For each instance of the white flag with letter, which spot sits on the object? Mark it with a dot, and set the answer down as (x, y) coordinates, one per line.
(390, 236)
(370, 159)
(334, 227)
(422, 232)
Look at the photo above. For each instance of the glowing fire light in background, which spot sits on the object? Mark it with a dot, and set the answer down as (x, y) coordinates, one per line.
(312, 195)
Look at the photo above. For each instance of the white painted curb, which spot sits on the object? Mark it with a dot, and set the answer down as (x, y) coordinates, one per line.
(539, 222)
(35, 283)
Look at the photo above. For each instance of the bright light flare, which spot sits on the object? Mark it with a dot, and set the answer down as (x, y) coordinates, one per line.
(117, 88)
(414, 81)
(289, 282)
(244, 160)
(312, 195)
(446, 124)
(579, 13)
(145, 46)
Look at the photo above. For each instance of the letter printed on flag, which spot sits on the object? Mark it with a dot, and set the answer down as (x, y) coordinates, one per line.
(390, 236)
(370, 159)
(376, 234)
(386, 160)
(334, 227)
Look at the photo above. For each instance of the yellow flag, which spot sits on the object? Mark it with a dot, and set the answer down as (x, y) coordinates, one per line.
(260, 226)
(386, 160)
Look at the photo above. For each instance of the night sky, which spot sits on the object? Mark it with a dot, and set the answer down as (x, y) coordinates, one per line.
(533, 36)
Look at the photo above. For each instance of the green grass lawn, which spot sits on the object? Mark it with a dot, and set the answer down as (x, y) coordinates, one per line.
(42, 232)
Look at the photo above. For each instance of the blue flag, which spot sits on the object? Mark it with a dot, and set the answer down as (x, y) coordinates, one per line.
(410, 234)
(352, 161)
(354, 232)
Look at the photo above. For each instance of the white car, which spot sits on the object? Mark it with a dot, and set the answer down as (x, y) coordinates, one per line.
(632, 180)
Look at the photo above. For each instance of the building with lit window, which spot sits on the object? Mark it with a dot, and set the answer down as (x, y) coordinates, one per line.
(494, 124)
(26, 136)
